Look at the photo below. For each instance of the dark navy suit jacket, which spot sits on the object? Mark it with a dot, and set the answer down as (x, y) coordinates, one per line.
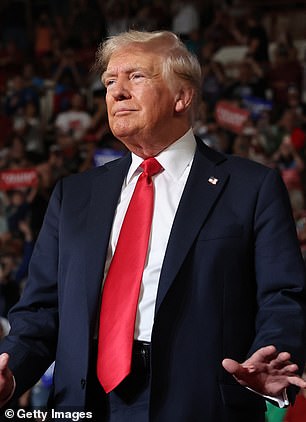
(232, 281)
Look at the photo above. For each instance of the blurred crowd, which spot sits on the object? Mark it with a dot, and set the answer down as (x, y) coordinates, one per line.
(53, 119)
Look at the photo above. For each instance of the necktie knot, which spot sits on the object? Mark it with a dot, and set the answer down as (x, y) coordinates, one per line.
(151, 166)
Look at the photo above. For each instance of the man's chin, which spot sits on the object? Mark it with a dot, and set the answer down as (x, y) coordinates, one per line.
(126, 135)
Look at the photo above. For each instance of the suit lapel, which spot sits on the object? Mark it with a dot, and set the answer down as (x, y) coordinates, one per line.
(204, 185)
(106, 189)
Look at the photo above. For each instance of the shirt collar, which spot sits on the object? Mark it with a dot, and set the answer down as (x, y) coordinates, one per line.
(174, 159)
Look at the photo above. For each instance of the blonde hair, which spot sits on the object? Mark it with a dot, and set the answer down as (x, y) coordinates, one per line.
(178, 61)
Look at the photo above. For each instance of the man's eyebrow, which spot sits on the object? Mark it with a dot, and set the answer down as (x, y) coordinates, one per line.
(114, 73)
(106, 75)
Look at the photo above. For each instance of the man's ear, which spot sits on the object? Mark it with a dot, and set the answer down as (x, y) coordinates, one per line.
(183, 99)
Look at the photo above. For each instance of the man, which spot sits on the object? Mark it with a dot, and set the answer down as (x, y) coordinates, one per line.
(222, 276)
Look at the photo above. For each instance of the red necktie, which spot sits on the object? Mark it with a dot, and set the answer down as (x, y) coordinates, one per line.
(122, 283)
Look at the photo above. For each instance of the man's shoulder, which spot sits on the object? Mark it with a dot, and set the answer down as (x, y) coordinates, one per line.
(90, 175)
(249, 173)
(240, 163)
(234, 163)
(243, 173)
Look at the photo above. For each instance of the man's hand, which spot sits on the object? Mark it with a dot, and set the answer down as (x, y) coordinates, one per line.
(6, 380)
(267, 372)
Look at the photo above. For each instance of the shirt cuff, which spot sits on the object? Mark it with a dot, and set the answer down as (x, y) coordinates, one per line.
(281, 400)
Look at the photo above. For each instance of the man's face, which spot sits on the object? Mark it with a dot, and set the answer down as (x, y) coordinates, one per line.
(140, 103)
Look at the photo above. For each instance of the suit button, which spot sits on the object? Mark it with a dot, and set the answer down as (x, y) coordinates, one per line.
(83, 383)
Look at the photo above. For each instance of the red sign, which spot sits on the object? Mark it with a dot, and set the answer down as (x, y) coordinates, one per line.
(231, 117)
(18, 178)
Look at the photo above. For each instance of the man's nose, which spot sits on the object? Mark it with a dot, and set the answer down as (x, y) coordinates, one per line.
(120, 90)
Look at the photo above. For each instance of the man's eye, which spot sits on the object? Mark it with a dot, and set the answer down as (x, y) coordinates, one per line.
(137, 76)
(109, 82)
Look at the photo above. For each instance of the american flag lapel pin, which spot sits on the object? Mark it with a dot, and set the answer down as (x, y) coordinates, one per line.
(213, 180)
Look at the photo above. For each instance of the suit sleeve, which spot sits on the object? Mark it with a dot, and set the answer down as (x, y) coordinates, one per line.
(32, 340)
(279, 272)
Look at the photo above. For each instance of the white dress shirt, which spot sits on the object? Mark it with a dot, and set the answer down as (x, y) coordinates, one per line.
(176, 161)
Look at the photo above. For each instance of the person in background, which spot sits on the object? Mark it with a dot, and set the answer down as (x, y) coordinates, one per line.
(255, 38)
(283, 73)
(74, 122)
(214, 78)
(186, 19)
(72, 126)
(290, 164)
(295, 102)
(43, 34)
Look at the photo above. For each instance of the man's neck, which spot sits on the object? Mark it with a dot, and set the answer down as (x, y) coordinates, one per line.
(152, 149)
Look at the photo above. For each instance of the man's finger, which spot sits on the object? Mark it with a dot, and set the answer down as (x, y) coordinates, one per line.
(299, 382)
(4, 359)
(264, 354)
(281, 360)
(289, 369)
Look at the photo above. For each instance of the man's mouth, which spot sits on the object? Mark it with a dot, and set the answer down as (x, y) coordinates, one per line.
(123, 111)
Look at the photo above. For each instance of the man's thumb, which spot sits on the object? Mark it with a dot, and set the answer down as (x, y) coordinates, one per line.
(230, 365)
(4, 358)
